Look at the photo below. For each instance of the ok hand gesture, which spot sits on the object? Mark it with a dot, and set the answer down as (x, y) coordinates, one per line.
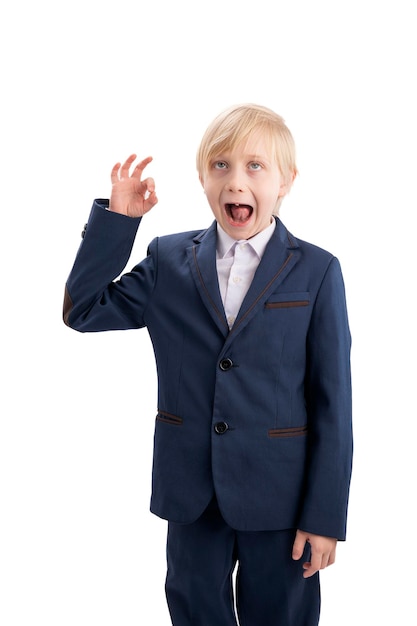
(131, 195)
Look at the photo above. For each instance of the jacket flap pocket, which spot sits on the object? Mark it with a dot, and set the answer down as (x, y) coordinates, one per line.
(295, 431)
(168, 418)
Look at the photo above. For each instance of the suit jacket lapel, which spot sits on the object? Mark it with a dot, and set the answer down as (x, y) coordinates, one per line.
(280, 256)
(202, 260)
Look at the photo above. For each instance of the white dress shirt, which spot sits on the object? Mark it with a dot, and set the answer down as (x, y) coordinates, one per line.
(237, 262)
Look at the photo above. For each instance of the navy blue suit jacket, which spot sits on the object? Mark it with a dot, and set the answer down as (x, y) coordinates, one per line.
(259, 415)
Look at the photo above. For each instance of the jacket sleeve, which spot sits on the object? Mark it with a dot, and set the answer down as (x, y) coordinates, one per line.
(94, 300)
(329, 409)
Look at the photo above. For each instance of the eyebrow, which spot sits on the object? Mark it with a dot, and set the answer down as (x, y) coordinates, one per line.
(252, 157)
(257, 157)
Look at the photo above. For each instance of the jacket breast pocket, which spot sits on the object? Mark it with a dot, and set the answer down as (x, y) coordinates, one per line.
(288, 300)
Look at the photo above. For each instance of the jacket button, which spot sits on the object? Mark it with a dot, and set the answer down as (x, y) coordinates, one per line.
(84, 231)
(225, 364)
(220, 428)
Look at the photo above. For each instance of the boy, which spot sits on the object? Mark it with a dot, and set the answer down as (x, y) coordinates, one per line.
(253, 439)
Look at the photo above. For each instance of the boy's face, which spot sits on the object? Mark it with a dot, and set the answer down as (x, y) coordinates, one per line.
(242, 187)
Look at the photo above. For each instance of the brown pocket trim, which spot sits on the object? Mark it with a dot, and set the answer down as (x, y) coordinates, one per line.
(168, 418)
(67, 308)
(286, 305)
(287, 432)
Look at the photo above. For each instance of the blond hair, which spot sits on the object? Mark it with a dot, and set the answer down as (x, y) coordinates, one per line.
(235, 125)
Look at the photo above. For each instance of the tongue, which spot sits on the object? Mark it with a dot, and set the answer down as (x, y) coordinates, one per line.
(240, 213)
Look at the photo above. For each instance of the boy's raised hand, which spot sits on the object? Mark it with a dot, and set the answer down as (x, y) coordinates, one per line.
(131, 195)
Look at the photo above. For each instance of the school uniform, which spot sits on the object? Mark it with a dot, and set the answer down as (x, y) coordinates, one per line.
(253, 433)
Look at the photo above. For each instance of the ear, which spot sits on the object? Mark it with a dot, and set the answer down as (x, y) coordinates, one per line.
(287, 184)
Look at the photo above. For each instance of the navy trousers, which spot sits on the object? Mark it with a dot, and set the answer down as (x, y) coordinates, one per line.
(270, 588)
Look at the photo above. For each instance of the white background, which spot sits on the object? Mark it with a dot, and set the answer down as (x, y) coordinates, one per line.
(84, 84)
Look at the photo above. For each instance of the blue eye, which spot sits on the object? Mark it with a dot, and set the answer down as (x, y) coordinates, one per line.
(255, 166)
(220, 165)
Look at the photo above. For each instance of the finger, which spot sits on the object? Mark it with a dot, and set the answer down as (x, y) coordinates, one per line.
(314, 565)
(309, 569)
(316, 562)
(124, 170)
(115, 173)
(298, 546)
(328, 558)
(149, 185)
(150, 201)
(137, 172)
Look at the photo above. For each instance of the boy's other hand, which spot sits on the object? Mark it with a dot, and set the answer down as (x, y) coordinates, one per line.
(323, 551)
(131, 195)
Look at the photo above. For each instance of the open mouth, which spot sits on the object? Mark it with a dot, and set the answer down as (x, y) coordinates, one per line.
(239, 214)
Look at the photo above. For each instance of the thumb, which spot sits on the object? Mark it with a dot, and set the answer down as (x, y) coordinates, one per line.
(299, 545)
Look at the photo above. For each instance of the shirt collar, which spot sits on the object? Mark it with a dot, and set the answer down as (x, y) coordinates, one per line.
(258, 243)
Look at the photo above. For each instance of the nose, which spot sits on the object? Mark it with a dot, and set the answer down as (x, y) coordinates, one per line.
(235, 183)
